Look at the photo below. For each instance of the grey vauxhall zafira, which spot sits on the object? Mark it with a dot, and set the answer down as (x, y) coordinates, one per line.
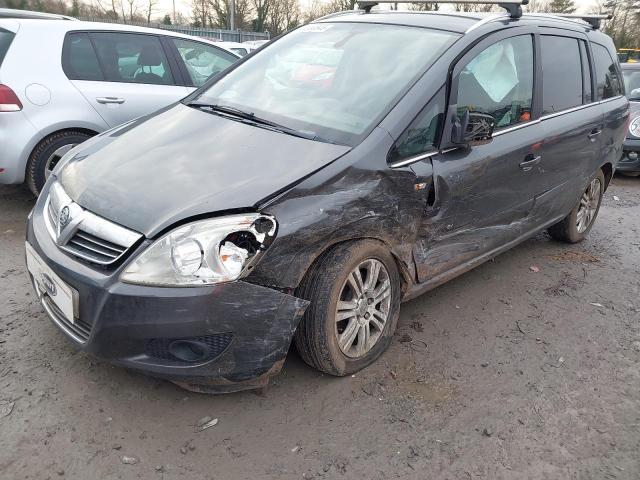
(302, 195)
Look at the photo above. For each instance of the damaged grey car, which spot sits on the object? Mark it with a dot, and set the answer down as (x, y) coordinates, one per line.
(302, 195)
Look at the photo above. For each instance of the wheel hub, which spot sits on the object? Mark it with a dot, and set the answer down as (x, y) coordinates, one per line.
(363, 308)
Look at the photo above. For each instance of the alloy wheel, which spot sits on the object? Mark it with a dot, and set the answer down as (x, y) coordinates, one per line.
(363, 308)
(589, 203)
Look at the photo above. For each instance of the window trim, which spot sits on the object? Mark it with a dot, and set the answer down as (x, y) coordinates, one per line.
(89, 32)
(589, 67)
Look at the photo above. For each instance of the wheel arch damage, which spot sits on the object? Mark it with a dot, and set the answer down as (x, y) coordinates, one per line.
(343, 205)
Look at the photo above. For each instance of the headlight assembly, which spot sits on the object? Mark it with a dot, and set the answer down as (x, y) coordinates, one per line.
(205, 252)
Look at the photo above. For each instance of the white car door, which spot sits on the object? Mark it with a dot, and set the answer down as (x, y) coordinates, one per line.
(122, 75)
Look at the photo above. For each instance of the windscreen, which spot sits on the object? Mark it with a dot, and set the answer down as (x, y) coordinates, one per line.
(335, 80)
(5, 40)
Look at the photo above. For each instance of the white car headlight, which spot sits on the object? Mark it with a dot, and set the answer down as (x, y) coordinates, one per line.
(634, 127)
(209, 251)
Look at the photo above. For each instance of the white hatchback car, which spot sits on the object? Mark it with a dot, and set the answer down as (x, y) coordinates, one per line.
(63, 81)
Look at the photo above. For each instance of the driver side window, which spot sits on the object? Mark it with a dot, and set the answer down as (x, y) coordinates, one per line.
(499, 82)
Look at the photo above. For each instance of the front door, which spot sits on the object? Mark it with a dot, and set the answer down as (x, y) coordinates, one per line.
(485, 194)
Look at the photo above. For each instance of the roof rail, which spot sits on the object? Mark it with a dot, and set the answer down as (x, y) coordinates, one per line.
(593, 19)
(514, 7)
(15, 13)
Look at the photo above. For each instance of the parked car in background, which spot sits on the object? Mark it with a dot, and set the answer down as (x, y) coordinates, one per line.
(196, 243)
(255, 44)
(629, 55)
(630, 162)
(64, 81)
(239, 48)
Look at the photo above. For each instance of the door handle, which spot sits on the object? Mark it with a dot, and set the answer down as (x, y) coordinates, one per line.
(594, 133)
(106, 100)
(530, 161)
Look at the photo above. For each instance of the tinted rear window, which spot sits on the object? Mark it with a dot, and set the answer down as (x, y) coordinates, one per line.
(6, 37)
(79, 60)
(562, 73)
(607, 74)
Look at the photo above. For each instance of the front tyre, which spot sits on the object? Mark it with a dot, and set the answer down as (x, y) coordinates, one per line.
(575, 226)
(354, 291)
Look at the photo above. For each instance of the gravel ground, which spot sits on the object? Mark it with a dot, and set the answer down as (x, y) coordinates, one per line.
(504, 373)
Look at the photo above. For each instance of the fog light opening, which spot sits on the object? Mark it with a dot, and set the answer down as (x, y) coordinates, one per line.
(189, 351)
(632, 155)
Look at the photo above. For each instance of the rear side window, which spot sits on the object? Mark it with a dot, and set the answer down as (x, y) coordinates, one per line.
(499, 82)
(562, 75)
(607, 73)
(132, 58)
(6, 37)
(79, 60)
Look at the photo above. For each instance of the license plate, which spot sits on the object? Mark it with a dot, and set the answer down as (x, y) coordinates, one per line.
(47, 282)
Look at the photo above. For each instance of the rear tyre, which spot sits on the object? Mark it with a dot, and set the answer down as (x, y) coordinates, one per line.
(630, 174)
(575, 226)
(47, 154)
(354, 291)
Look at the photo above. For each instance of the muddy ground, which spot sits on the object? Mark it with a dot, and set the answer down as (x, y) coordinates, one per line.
(504, 373)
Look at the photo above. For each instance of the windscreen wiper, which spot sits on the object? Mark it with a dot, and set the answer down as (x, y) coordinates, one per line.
(251, 118)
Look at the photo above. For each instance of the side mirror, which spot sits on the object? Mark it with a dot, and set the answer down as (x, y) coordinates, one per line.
(472, 129)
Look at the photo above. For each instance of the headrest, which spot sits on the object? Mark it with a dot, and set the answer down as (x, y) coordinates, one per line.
(149, 57)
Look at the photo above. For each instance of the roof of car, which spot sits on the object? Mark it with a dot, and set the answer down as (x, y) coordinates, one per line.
(459, 22)
(79, 25)
(630, 66)
(14, 13)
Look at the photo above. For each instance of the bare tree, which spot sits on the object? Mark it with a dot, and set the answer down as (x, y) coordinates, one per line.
(276, 20)
(201, 12)
(132, 7)
(425, 7)
(537, 6)
(261, 11)
(151, 6)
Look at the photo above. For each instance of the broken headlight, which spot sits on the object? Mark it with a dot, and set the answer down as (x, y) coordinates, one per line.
(209, 251)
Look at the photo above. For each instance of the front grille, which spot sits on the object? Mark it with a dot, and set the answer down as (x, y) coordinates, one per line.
(84, 234)
(94, 248)
(159, 347)
(78, 330)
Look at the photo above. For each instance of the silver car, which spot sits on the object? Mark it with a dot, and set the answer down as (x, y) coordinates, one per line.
(63, 81)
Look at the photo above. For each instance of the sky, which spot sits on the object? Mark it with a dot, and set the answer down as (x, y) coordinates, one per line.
(184, 6)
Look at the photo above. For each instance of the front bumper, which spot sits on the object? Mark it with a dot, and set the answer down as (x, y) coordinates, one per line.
(249, 327)
(626, 164)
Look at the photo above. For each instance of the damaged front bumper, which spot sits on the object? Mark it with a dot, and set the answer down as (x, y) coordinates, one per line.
(220, 338)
